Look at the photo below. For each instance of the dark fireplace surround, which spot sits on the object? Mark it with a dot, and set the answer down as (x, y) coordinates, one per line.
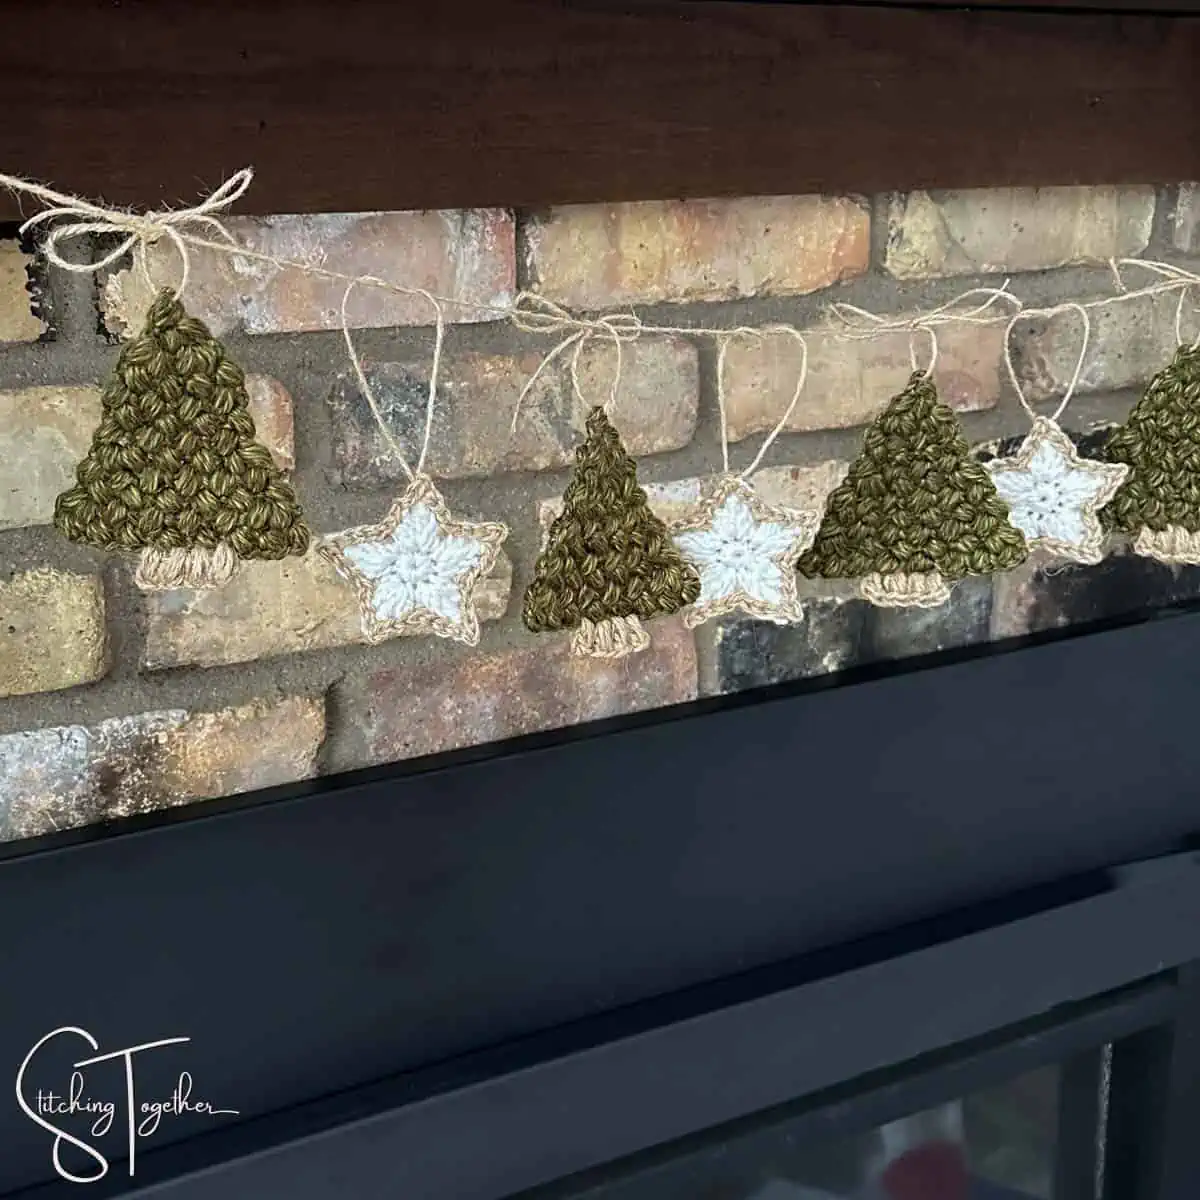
(484, 972)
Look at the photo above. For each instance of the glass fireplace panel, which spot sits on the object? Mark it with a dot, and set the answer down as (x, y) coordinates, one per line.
(998, 1143)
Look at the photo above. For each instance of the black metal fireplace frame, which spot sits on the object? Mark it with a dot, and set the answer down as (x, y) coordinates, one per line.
(481, 973)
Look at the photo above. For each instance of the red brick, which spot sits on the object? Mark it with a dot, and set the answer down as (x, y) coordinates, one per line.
(270, 609)
(597, 256)
(849, 381)
(1185, 219)
(655, 410)
(52, 632)
(988, 230)
(17, 322)
(72, 775)
(467, 255)
(411, 711)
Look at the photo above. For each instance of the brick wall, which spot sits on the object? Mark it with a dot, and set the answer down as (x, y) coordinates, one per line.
(113, 701)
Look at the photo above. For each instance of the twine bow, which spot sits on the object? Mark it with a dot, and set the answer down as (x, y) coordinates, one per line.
(532, 313)
(136, 230)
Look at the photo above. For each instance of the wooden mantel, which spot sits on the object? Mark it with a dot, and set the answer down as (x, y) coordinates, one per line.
(367, 104)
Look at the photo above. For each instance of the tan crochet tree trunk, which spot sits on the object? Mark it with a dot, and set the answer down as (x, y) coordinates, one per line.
(928, 590)
(614, 638)
(164, 570)
(1171, 545)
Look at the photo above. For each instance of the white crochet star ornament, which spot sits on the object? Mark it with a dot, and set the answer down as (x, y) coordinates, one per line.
(745, 552)
(1054, 496)
(417, 571)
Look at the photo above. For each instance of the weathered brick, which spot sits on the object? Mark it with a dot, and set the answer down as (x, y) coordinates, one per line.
(467, 255)
(52, 632)
(839, 631)
(73, 775)
(477, 396)
(1129, 343)
(485, 698)
(596, 256)
(1185, 219)
(964, 620)
(45, 431)
(1049, 595)
(831, 636)
(932, 234)
(17, 322)
(268, 609)
(804, 488)
(850, 380)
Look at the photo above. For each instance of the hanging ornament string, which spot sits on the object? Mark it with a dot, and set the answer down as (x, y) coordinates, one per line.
(926, 372)
(418, 570)
(1179, 339)
(530, 311)
(1176, 277)
(1053, 494)
(745, 550)
(369, 392)
(722, 409)
(1047, 314)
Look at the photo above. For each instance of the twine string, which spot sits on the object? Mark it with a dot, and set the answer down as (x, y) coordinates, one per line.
(1047, 313)
(722, 410)
(927, 371)
(369, 392)
(861, 323)
(1175, 277)
(200, 228)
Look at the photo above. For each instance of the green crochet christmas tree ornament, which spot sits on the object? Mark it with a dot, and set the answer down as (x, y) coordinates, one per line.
(1159, 502)
(915, 511)
(609, 562)
(174, 469)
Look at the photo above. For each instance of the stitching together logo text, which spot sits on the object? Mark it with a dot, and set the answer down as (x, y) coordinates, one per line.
(143, 1116)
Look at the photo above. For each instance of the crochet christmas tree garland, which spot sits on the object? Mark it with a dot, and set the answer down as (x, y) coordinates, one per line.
(175, 473)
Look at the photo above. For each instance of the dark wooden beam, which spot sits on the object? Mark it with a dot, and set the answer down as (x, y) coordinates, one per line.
(374, 104)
